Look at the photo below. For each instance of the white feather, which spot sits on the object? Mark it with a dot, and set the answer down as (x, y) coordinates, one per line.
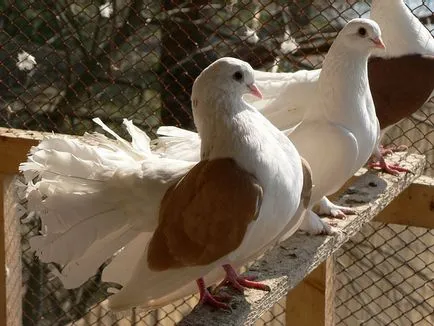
(94, 195)
(177, 143)
(286, 96)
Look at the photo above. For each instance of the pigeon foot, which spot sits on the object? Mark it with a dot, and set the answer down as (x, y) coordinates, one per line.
(212, 300)
(392, 149)
(393, 169)
(241, 282)
(326, 207)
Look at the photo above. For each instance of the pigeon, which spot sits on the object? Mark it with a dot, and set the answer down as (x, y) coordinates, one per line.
(171, 226)
(339, 128)
(401, 78)
(406, 65)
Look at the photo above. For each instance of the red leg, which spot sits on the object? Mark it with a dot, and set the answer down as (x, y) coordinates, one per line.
(392, 149)
(385, 151)
(393, 169)
(240, 282)
(207, 298)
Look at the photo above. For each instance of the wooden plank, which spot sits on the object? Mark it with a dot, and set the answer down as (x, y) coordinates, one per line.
(286, 265)
(14, 146)
(11, 271)
(318, 290)
(413, 207)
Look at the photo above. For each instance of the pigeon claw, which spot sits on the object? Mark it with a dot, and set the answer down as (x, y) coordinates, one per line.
(392, 149)
(241, 282)
(206, 298)
(327, 208)
(341, 212)
(393, 169)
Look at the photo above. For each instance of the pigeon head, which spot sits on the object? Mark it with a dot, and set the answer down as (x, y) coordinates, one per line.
(225, 78)
(362, 34)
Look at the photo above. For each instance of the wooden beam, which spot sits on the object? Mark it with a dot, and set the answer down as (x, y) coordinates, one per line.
(14, 146)
(413, 207)
(10, 257)
(318, 290)
(286, 265)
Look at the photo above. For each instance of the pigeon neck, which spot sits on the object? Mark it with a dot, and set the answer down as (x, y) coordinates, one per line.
(343, 85)
(217, 124)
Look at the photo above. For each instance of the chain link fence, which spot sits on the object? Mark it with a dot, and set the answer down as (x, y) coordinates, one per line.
(63, 62)
(386, 277)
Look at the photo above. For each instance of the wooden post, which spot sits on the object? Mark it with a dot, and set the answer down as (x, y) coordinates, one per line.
(10, 257)
(413, 207)
(312, 301)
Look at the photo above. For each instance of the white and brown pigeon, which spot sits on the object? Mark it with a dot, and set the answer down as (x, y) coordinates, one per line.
(402, 77)
(339, 130)
(171, 223)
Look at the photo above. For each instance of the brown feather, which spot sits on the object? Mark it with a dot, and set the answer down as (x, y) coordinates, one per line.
(205, 215)
(400, 86)
(306, 191)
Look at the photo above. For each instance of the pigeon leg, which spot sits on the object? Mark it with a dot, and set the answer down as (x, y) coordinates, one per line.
(393, 169)
(240, 282)
(314, 225)
(207, 298)
(326, 207)
(392, 149)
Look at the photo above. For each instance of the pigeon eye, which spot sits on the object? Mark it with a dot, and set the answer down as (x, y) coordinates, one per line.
(362, 31)
(238, 76)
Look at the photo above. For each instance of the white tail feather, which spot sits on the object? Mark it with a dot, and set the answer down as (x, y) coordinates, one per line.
(94, 196)
(78, 271)
(177, 143)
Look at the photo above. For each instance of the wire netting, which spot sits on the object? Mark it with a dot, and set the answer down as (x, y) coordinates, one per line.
(386, 277)
(64, 62)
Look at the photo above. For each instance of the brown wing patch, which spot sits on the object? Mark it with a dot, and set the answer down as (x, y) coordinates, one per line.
(205, 215)
(306, 191)
(400, 85)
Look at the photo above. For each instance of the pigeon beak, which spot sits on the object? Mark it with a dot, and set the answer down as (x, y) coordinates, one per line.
(254, 90)
(378, 43)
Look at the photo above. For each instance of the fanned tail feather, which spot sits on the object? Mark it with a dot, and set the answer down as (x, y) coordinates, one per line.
(177, 143)
(94, 195)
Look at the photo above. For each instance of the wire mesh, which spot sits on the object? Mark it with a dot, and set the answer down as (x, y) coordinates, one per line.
(64, 62)
(385, 276)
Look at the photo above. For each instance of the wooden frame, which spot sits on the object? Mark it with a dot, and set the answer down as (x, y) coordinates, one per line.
(303, 265)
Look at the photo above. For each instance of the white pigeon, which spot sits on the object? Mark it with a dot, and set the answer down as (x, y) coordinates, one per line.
(339, 130)
(171, 222)
(288, 95)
